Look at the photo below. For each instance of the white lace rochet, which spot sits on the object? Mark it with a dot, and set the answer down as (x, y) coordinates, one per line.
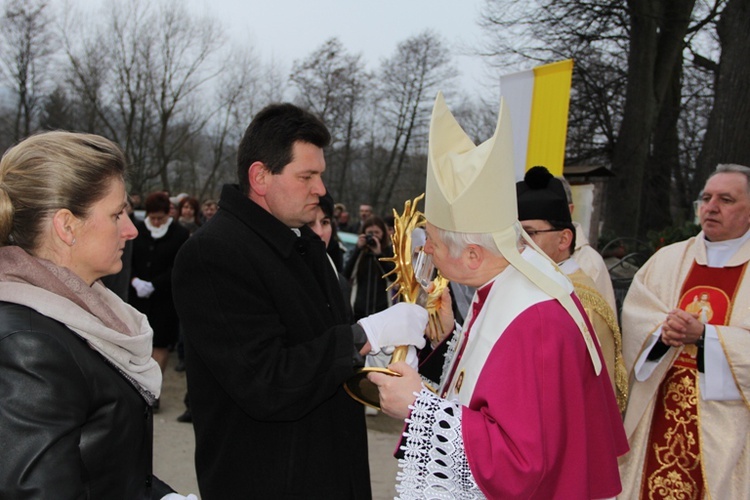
(434, 463)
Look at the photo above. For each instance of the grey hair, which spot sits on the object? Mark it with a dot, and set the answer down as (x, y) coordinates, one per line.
(726, 168)
(566, 187)
(456, 242)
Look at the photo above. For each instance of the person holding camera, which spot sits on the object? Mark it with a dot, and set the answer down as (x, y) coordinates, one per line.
(365, 270)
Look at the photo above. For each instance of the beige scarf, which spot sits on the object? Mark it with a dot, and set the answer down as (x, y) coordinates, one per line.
(110, 326)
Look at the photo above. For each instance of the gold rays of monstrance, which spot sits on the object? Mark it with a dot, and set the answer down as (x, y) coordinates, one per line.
(409, 288)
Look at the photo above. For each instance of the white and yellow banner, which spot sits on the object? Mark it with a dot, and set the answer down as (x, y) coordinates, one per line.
(538, 100)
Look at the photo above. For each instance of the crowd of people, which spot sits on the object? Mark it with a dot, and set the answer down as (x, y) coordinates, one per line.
(527, 386)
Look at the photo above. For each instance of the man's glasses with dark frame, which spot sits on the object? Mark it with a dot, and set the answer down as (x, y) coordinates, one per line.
(534, 232)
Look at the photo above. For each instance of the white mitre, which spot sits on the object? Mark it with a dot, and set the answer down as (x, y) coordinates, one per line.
(472, 189)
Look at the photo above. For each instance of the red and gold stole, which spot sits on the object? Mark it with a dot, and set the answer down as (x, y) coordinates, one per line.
(673, 458)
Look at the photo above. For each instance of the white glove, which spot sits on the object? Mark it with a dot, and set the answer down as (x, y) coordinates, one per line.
(402, 324)
(383, 358)
(144, 289)
(177, 496)
(412, 359)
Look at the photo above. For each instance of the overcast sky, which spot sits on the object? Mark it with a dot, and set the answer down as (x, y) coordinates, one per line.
(286, 30)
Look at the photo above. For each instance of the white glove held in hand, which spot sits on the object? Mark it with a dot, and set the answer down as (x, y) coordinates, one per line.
(402, 324)
(383, 358)
(412, 358)
(144, 289)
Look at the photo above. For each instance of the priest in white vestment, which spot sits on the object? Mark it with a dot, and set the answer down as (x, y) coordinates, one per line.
(686, 344)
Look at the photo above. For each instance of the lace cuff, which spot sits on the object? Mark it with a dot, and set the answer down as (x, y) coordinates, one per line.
(434, 463)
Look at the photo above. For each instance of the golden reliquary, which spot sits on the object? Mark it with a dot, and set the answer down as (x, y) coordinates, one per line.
(414, 283)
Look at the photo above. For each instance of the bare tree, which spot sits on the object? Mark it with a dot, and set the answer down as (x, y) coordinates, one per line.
(478, 118)
(237, 94)
(624, 113)
(273, 82)
(697, 100)
(408, 83)
(25, 56)
(139, 77)
(333, 84)
(177, 68)
(657, 33)
(109, 77)
(726, 134)
(87, 77)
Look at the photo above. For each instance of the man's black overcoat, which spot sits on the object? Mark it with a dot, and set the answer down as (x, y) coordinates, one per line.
(267, 349)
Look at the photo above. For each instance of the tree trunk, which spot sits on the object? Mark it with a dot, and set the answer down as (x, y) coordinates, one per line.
(657, 32)
(726, 138)
(664, 159)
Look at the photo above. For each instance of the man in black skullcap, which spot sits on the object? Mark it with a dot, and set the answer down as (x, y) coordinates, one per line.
(544, 214)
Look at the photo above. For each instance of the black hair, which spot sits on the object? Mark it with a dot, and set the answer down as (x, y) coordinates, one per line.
(326, 204)
(272, 133)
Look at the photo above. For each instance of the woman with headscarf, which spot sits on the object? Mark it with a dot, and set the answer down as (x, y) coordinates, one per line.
(77, 380)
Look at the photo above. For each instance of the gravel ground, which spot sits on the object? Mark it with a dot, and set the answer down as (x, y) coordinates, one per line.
(174, 443)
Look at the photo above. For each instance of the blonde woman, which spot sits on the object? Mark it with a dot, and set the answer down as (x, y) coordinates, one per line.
(77, 380)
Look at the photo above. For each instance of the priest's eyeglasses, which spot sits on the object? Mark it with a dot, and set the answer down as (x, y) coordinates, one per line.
(534, 232)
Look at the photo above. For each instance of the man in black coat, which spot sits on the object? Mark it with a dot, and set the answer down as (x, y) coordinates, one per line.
(266, 340)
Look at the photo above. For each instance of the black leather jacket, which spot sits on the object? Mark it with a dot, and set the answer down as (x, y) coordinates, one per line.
(71, 426)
